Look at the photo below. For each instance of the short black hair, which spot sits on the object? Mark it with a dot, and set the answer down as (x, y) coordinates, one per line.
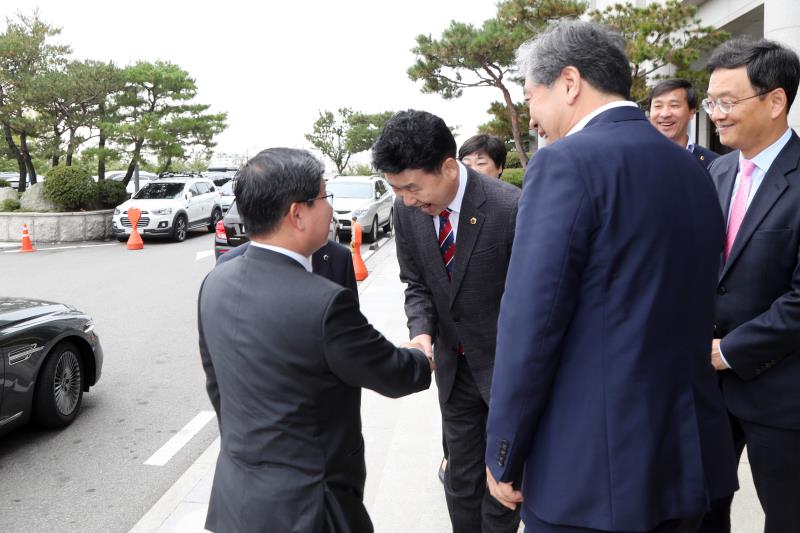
(413, 140)
(769, 65)
(673, 84)
(493, 146)
(271, 182)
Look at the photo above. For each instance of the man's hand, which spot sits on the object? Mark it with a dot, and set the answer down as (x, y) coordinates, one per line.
(425, 341)
(423, 344)
(716, 360)
(503, 492)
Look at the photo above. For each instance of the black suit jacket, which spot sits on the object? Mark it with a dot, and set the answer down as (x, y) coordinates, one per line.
(332, 261)
(758, 295)
(285, 354)
(704, 155)
(465, 309)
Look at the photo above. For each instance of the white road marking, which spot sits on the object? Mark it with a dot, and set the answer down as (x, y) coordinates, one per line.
(180, 439)
(64, 247)
(203, 255)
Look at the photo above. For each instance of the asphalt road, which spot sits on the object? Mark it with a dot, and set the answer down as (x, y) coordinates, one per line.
(91, 476)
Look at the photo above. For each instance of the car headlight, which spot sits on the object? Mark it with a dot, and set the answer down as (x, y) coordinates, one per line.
(360, 212)
(117, 211)
(162, 211)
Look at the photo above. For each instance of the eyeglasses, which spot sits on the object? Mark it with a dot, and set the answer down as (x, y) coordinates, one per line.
(328, 197)
(725, 106)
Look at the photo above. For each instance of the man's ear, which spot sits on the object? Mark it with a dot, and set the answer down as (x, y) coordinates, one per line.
(572, 82)
(295, 215)
(777, 101)
(450, 168)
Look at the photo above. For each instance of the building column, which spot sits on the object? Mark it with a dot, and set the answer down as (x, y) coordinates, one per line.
(782, 24)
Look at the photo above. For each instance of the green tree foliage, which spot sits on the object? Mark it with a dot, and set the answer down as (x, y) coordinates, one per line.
(500, 124)
(50, 106)
(658, 36)
(158, 115)
(25, 55)
(339, 136)
(110, 193)
(70, 188)
(466, 56)
(359, 170)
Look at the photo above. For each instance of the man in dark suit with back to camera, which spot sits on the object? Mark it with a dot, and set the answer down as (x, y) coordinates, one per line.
(285, 354)
(605, 411)
(453, 230)
(673, 105)
(756, 344)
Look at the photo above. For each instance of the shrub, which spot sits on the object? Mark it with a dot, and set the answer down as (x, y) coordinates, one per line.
(70, 188)
(512, 160)
(513, 176)
(111, 193)
(10, 204)
(4, 183)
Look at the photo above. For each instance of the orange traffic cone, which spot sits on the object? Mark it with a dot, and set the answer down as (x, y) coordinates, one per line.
(355, 245)
(26, 240)
(135, 240)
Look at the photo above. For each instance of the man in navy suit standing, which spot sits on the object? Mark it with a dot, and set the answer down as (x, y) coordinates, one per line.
(673, 104)
(757, 331)
(605, 412)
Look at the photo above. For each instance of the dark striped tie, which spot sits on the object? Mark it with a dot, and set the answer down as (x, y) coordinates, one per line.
(447, 242)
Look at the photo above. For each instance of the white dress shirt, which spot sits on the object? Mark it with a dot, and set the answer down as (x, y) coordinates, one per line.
(611, 105)
(455, 205)
(305, 262)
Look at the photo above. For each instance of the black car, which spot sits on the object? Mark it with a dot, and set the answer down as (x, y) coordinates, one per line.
(50, 356)
(230, 232)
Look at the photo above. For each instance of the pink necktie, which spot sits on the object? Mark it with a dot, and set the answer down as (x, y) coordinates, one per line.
(739, 208)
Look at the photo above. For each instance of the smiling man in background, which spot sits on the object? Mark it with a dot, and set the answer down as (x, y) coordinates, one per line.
(673, 105)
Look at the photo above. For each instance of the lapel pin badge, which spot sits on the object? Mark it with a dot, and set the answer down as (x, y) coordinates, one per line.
(473, 220)
(702, 158)
(325, 257)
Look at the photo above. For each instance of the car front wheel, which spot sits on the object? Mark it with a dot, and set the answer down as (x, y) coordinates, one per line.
(59, 388)
(179, 228)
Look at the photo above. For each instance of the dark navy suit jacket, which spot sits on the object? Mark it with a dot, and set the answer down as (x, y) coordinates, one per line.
(332, 261)
(704, 155)
(604, 406)
(758, 296)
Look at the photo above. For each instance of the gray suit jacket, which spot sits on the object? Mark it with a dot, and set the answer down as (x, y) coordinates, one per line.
(465, 309)
(286, 353)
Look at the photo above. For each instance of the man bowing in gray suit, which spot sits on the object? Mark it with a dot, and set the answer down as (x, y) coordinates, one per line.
(286, 353)
(453, 229)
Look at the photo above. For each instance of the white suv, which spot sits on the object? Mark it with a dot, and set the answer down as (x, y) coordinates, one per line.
(170, 208)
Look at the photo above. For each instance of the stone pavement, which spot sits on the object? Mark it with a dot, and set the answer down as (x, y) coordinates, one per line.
(402, 439)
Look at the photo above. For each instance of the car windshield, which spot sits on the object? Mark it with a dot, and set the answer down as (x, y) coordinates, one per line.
(349, 189)
(227, 189)
(159, 191)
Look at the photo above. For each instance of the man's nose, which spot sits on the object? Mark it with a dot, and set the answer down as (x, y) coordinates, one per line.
(407, 200)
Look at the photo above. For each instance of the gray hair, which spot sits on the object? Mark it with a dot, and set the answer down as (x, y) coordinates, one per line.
(595, 50)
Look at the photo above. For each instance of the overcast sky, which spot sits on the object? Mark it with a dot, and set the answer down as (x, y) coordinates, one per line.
(273, 65)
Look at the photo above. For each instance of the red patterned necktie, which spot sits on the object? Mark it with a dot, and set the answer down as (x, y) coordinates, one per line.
(447, 241)
(739, 208)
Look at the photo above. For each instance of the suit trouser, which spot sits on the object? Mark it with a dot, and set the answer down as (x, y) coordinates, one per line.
(468, 500)
(774, 456)
(681, 525)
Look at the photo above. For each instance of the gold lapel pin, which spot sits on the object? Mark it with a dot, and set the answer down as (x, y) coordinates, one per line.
(473, 220)
(702, 158)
